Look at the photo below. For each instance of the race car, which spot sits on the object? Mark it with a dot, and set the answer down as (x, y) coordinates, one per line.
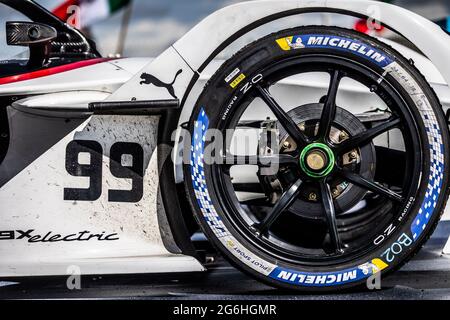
(313, 159)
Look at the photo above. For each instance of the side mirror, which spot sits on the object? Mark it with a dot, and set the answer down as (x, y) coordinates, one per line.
(29, 33)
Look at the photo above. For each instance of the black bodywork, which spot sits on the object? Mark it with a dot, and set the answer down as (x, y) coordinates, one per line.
(69, 46)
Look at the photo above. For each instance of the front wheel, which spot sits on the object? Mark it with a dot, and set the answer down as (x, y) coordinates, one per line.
(318, 187)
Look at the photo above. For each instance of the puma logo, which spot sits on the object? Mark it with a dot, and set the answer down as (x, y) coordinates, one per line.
(149, 79)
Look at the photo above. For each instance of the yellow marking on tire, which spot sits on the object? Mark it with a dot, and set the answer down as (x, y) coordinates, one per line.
(238, 80)
(284, 43)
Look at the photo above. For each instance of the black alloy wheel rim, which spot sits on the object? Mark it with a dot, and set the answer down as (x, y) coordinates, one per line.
(258, 232)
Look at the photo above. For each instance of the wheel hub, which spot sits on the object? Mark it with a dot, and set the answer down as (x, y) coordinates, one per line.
(317, 160)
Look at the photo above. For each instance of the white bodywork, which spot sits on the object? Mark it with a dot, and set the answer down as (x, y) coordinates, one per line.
(138, 247)
(32, 199)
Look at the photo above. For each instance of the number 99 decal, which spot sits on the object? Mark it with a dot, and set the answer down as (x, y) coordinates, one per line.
(132, 170)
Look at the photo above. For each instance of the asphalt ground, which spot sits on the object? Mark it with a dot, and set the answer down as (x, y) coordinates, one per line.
(426, 277)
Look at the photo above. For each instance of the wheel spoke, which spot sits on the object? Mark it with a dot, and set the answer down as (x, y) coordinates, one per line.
(282, 116)
(329, 108)
(261, 161)
(370, 185)
(367, 136)
(284, 203)
(328, 205)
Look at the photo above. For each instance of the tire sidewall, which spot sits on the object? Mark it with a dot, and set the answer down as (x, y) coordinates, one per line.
(398, 245)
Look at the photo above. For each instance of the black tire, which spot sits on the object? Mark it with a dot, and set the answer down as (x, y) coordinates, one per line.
(410, 226)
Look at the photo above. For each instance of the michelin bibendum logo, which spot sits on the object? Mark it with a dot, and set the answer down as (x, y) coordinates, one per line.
(335, 42)
(294, 42)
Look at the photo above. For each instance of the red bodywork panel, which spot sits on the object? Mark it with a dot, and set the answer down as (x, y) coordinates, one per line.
(51, 71)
